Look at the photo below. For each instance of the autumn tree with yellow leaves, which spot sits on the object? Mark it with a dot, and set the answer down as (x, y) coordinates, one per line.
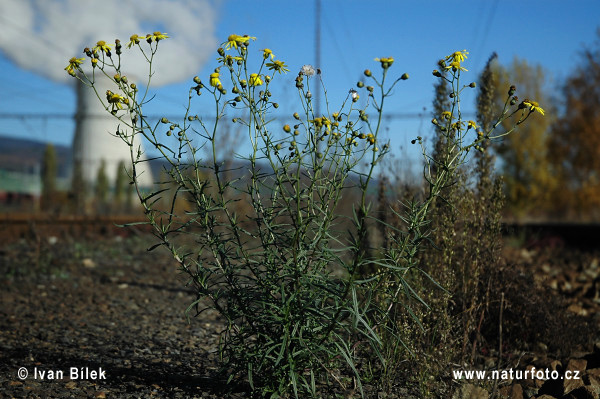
(524, 158)
(575, 142)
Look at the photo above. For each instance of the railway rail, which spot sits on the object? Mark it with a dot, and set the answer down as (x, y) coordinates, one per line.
(15, 226)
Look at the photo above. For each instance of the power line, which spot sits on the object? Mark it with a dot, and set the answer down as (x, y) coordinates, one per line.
(46, 116)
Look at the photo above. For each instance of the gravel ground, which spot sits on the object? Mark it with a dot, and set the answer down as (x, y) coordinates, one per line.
(72, 307)
(112, 314)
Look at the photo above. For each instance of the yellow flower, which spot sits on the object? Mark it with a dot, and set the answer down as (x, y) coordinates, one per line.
(102, 46)
(228, 59)
(156, 36)
(455, 65)
(116, 100)
(133, 40)
(278, 66)
(237, 40)
(472, 124)
(385, 62)
(455, 59)
(214, 79)
(459, 56)
(446, 115)
(532, 106)
(268, 53)
(457, 125)
(73, 65)
(255, 80)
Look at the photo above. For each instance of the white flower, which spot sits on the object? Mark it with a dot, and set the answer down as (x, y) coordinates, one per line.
(354, 94)
(307, 70)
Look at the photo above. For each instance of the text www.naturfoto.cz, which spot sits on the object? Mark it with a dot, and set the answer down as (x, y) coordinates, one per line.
(510, 374)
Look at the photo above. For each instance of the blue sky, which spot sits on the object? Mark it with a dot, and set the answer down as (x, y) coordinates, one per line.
(415, 33)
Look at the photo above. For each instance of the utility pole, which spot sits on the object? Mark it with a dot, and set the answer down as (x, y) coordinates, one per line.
(318, 87)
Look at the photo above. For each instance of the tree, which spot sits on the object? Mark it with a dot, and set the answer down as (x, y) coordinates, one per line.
(78, 189)
(102, 187)
(120, 194)
(575, 141)
(49, 168)
(529, 179)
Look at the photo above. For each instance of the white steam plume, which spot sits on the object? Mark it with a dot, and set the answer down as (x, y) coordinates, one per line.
(41, 35)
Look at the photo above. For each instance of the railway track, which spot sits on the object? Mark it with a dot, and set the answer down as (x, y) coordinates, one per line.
(14, 226)
(27, 226)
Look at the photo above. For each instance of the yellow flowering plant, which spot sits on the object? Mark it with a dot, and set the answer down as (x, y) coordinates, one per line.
(305, 303)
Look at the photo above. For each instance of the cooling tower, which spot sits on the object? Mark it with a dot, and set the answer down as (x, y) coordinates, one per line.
(95, 140)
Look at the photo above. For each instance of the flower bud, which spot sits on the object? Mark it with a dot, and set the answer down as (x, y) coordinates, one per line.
(360, 84)
(197, 80)
(514, 100)
(437, 73)
(472, 85)
(367, 72)
(511, 90)
(287, 128)
(221, 52)
(404, 76)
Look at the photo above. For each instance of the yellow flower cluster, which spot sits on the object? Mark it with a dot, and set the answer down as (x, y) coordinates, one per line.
(322, 121)
(102, 47)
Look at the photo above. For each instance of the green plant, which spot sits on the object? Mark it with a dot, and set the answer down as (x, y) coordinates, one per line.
(306, 303)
